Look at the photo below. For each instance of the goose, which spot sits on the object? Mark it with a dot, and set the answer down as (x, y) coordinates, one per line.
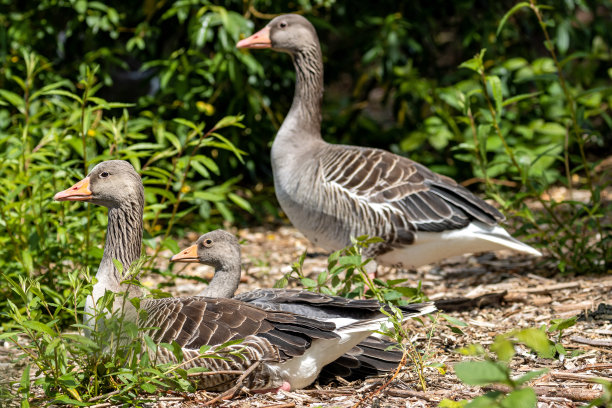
(280, 350)
(334, 192)
(221, 250)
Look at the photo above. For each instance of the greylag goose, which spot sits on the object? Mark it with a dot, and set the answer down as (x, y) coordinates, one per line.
(334, 192)
(287, 350)
(221, 250)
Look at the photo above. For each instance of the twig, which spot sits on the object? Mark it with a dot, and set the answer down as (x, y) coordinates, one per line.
(397, 392)
(220, 372)
(103, 405)
(592, 342)
(564, 375)
(286, 405)
(232, 391)
(110, 394)
(549, 288)
(327, 392)
(386, 384)
(596, 366)
(574, 394)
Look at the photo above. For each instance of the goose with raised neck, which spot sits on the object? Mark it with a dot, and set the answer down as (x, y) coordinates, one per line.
(334, 192)
(290, 349)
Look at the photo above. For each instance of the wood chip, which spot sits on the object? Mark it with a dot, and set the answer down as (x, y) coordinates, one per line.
(397, 392)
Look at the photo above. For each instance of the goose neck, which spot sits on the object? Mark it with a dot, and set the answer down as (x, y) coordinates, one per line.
(225, 280)
(123, 243)
(305, 112)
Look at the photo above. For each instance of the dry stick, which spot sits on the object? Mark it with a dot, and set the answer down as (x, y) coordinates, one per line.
(220, 372)
(592, 342)
(596, 366)
(110, 394)
(574, 394)
(286, 405)
(577, 377)
(103, 405)
(548, 288)
(232, 391)
(386, 384)
(397, 392)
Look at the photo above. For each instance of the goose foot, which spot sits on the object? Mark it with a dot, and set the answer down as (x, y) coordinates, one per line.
(285, 387)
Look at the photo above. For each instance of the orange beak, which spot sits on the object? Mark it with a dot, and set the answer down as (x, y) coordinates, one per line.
(79, 192)
(260, 39)
(187, 255)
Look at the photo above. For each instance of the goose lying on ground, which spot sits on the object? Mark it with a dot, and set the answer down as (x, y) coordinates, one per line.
(288, 350)
(221, 250)
(334, 192)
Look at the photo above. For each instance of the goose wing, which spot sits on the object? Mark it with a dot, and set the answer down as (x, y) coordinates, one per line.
(196, 321)
(386, 189)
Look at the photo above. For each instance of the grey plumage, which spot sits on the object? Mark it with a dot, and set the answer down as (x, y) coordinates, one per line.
(221, 250)
(334, 192)
(291, 348)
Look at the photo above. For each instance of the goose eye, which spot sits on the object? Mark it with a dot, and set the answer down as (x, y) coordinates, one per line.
(208, 242)
(283, 24)
(104, 174)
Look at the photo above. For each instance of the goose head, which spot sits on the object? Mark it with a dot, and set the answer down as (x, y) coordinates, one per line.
(217, 248)
(112, 184)
(289, 33)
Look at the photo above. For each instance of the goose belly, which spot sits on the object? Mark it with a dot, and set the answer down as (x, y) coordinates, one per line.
(430, 247)
(303, 370)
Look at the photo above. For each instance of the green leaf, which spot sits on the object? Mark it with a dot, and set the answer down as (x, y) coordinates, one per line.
(503, 348)
(475, 64)
(14, 99)
(453, 320)
(536, 340)
(510, 12)
(39, 327)
(489, 400)
(446, 403)
(148, 387)
(229, 121)
(308, 283)
(496, 90)
(240, 202)
(352, 260)
(482, 372)
(562, 324)
(521, 97)
(524, 398)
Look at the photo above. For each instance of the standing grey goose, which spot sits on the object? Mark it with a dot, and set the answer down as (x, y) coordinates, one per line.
(221, 250)
(334, 192)
(289, 349)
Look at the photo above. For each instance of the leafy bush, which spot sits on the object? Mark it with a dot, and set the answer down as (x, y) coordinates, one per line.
(52, 130)
(116, 361)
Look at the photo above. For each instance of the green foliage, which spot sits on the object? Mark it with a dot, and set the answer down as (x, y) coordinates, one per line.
(52, 134)
(346, 275)
(116, 361)
(494, 369)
